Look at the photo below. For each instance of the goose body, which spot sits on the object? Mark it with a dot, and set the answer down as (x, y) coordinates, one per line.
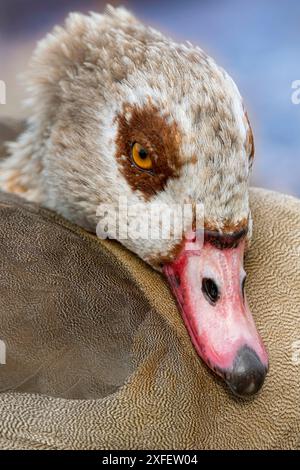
(117, 110)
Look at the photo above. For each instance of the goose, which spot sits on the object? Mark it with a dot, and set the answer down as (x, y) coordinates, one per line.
(117, 110)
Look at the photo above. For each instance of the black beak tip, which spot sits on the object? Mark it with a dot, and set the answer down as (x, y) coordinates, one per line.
(248, 373)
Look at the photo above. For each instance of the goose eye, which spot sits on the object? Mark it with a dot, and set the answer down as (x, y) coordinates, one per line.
(141, 157)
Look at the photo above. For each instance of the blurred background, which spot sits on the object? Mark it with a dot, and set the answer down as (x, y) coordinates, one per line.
(257, 42)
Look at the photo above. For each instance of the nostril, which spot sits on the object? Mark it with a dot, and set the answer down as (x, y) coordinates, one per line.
(243, 287)
(210, 290)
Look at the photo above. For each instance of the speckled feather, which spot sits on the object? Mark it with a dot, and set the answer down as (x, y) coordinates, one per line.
(80, 78)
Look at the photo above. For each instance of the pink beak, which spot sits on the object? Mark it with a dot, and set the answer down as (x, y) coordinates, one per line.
(208, 282)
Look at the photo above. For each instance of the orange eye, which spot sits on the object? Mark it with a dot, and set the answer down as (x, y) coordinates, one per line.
(141, 157)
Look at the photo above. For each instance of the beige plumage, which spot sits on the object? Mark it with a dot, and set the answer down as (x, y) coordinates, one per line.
(79, 80)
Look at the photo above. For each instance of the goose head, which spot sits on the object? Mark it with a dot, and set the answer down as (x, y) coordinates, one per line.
(123, 116)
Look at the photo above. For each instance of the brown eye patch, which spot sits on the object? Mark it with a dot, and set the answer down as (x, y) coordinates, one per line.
(161, 138)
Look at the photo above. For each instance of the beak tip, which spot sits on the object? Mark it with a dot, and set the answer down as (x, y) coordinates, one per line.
(248, 373)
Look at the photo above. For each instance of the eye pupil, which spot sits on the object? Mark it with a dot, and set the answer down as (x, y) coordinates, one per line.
(143, 153)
